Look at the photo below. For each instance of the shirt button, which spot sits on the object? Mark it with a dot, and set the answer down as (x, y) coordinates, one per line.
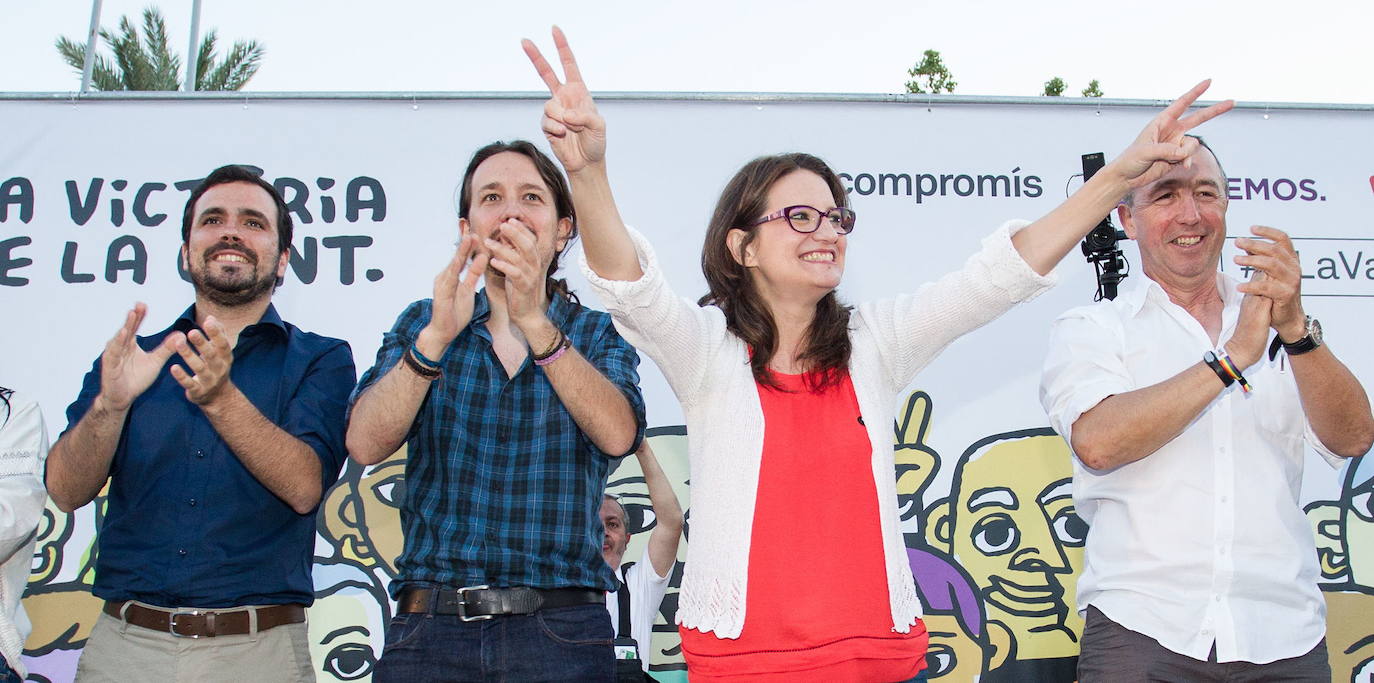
(182, 552)
(193, 502)
(200, 453)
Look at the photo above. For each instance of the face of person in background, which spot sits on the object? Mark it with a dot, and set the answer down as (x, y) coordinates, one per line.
(616, 536)
(626, 482)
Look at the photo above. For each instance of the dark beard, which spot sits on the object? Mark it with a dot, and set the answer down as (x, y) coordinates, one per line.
(235, 293)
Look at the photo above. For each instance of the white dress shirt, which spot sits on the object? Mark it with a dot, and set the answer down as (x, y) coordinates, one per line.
(1202, 541)
(23, 448)
(647, 589)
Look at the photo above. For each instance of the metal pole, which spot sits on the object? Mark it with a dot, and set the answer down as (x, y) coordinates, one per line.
(193, 50)
(89, 64)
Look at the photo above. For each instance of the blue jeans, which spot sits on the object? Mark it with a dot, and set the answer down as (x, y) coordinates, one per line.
(561, 644)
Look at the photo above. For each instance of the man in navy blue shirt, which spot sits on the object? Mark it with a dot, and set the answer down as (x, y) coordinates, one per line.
(513, 401)
(218, 436)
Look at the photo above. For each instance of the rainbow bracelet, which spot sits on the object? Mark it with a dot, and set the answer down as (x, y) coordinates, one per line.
(1230, 367)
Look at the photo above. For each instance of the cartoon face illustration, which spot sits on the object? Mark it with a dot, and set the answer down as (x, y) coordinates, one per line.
(1350, 636)
(958, 649)
(626, 482)
(347, 623)
(54, 530)
(1344, 531)
(1358, 519)
(361, 515)
(1010, 522)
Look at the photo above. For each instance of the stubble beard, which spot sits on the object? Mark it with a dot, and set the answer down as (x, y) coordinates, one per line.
(235, 289)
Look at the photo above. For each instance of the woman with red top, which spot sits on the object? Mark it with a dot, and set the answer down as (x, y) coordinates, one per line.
(797, 569)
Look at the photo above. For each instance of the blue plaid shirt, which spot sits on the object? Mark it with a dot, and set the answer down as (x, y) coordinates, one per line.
(502, 488)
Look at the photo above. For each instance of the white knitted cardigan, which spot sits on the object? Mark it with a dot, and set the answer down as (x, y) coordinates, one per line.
(708, 368)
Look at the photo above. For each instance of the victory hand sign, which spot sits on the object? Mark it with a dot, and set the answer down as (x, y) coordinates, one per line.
(575, 130)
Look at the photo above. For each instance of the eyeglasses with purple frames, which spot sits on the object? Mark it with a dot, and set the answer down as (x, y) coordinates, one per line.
(807, 219)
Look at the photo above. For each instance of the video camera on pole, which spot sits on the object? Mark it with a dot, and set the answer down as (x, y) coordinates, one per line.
(1100, 245)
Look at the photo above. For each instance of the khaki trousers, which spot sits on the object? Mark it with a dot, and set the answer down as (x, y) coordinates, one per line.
(122, 653)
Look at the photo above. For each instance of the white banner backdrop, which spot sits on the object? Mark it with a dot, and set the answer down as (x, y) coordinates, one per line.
(91, 194)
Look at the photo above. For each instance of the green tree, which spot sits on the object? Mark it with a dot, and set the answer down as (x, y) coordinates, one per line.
(150, 65)
(1093, 89)
(930, 75)
(1054, 87)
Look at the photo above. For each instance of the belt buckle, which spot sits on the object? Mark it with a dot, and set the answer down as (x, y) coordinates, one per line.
(172, 622)
(463, 603)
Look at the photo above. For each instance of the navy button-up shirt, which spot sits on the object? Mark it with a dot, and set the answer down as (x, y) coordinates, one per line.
(502, 487)
(187, 525)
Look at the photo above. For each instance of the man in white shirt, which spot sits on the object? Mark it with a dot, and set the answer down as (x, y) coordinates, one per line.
(1187, 426)
(647, 579)
(23, 448)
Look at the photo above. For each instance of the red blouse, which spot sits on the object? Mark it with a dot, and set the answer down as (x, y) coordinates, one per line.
(817, 606)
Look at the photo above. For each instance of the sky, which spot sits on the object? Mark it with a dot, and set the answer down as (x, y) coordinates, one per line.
(1316, 51)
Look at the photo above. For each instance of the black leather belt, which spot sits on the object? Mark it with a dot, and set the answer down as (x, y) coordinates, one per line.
(475, 603)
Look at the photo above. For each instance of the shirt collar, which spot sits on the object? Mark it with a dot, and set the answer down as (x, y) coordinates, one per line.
(187, 321)
(1147, 289)
(560, 309)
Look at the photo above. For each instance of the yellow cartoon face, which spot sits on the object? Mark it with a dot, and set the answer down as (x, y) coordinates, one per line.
(54, 530)
(361, 515)
(1359, 523)
(1012, 525)
(346, 624)
(953, 617)
(626, 482)
(953, 654)
(1350, 636)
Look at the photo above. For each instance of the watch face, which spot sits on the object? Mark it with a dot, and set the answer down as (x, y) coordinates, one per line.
(1314, 330)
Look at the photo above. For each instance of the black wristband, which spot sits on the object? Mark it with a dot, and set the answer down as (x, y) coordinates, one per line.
(425, 373)
(557, 344)
(1210, 359)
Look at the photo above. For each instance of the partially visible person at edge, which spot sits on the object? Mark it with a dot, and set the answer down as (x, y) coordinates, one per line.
(643, 583)
(218, 436)
(1153, 393)
(513, 400)
(789, 394)
(23, 447)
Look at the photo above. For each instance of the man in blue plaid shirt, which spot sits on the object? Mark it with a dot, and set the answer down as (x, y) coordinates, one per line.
(513, 402)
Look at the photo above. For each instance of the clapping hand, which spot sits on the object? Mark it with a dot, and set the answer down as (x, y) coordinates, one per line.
(126, 370)
(1275, 258)
(454, 290)
(209, 356)
(515, 254)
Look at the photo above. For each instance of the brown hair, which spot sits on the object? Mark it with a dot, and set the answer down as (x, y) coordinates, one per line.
(826, 355)
(562, 200)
